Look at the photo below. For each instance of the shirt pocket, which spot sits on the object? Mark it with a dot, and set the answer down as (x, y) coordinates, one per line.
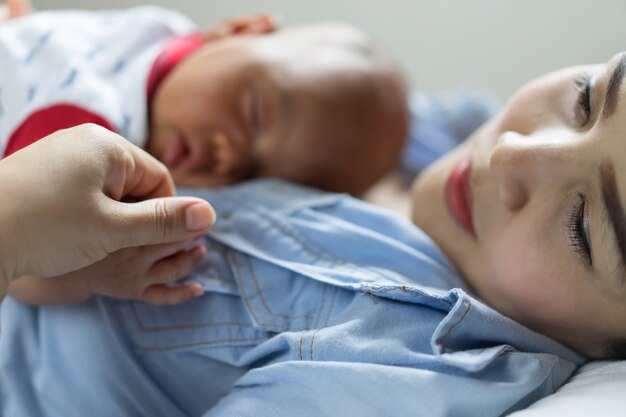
(247, 301)
(218, 318)
(280, 299)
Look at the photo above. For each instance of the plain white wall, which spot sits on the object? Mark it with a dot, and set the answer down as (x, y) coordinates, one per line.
(495, 44)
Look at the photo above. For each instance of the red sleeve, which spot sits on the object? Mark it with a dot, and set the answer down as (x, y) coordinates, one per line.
(48, 120)
(61, 116)
(174, 52)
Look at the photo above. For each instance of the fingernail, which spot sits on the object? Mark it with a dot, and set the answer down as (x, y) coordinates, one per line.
(199, 217)
(197, 291)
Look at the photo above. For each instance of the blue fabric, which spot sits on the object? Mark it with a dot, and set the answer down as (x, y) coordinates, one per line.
(439, 123)
(316, 304)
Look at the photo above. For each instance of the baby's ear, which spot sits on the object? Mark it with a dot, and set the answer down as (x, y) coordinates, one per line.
(230, 161)
(251, 25)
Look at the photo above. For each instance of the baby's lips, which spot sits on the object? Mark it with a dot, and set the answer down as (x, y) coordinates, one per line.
(175, 152)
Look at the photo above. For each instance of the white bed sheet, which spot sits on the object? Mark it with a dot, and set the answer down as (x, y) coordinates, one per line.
(596, 389)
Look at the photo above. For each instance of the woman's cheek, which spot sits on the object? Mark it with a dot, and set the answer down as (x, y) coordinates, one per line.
(528, 284)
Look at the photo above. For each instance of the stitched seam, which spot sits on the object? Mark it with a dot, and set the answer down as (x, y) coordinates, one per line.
(301, 336)
(244, 297)
(312, 341)
(197, 344)
(262, 298)
(124, 321)
(148, 329)
(469, 306)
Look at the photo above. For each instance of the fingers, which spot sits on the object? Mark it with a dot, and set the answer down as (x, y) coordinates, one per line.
(125, 171)
(17, 8)
(169, 270)
(159, 220)
(262, 23)
(250, 25)
(154, 253)
(130, 173)
(146, 177)
(176, 266)
(160, 294)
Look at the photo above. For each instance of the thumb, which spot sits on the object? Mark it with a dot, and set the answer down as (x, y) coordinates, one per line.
(160, 220)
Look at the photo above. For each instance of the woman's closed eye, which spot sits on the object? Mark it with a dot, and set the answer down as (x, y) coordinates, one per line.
(578, 230)
(583, 108)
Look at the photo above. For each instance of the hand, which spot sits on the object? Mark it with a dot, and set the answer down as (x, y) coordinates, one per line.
(61, 206)
(250, 25)
(14, 8)
(140, 273)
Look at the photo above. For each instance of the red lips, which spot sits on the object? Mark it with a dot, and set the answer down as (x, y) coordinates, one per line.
(457, 195)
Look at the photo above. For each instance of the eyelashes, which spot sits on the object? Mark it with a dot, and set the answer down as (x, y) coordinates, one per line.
(583, 105)
(577, 223)
(577, 228)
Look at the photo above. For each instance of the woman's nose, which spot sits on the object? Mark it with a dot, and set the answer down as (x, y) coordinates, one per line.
(522, 164)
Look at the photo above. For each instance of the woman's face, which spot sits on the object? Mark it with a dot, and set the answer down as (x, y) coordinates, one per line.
(531, 208)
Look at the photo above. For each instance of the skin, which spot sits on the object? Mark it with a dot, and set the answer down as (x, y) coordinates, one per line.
(80, 218)
(12, 9)
(530, 167)
(314, 105)
(341, 129)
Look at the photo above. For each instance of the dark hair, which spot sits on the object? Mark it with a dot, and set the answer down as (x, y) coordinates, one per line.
(615, 349)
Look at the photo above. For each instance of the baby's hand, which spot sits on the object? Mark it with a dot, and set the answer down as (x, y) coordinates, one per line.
(251, 25)
(142, 273)
(135, 273)
(14, 8)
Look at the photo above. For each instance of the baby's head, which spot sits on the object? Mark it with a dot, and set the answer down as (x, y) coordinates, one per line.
(318, 105)
(531, 208)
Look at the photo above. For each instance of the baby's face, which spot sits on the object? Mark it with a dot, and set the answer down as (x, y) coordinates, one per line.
(531, 208)
(274, 105)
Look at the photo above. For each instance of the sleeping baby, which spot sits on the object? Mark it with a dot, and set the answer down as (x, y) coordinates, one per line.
(318, 105)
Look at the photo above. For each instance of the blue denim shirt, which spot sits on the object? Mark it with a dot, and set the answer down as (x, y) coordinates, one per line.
(316, 304)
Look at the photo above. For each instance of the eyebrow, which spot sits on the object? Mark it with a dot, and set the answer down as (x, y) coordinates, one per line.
(611, 97)
(613, 205)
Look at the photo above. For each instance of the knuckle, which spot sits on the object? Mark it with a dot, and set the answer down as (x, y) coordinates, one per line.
(165, 219)
(86, 130)
(118, 155)
(94, 129)
(106, 140)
